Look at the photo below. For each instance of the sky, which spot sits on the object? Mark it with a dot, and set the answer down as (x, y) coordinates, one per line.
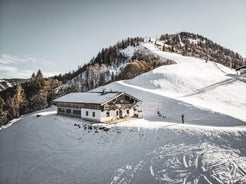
(57, 36)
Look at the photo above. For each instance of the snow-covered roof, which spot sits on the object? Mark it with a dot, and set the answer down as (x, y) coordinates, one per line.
(90, 97)
(241, 67)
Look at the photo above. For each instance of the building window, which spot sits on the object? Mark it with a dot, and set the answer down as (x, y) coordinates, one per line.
(107, 114)
(87, 113)
(61, 110)
(127, 111)
(77, 112)
(68, 111)
(117, 113)
(93, 114)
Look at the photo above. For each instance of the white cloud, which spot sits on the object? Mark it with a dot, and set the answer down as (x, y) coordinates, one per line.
(14, 72)
(23, 67)
(50, 74)
(7, 59)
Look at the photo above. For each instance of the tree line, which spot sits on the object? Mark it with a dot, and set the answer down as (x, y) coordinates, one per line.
(201, 47)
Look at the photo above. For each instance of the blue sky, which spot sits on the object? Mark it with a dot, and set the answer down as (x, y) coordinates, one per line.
(58, 35)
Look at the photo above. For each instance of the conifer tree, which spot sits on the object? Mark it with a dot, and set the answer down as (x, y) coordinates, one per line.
(19, 101)
(33, 76)
(1, 105)
(102, 80)
(40, 81)
(39, 74)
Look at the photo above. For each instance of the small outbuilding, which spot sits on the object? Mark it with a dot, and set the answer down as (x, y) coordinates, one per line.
(98, 106)
(241, 70)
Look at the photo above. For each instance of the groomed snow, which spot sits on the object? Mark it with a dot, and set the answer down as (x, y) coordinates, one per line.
(206, 85)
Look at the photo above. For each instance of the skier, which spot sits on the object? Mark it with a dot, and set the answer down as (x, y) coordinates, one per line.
(182, 117)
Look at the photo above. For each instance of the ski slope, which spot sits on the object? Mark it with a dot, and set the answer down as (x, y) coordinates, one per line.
(206, 85)
(209, 148)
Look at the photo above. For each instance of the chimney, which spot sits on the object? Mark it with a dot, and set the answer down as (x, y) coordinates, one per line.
(103, 92)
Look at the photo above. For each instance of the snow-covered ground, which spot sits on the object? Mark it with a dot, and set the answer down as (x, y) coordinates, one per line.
(209, 148)
(50, 149)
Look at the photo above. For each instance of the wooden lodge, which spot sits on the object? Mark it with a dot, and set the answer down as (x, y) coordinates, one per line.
(98, 106)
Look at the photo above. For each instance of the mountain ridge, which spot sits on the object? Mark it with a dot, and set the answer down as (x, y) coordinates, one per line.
(7, 83)
(109, 63)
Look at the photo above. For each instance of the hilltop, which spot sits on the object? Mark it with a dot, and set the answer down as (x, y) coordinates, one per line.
(130, 58)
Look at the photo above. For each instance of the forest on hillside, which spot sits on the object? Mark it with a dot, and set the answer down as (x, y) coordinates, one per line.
(189, 44)
(34, 94)
(107, 56)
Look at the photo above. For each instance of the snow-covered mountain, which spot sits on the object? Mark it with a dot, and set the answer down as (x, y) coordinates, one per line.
(97, 74)
(110, 63)
(6, 83)
(209, 148)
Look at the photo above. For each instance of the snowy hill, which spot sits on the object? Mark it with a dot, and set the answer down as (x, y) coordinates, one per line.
(209, 148)
(110, 63)
(115, 68)
(205, 84)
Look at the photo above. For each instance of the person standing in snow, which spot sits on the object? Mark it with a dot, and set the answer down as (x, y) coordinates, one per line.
(182, 117)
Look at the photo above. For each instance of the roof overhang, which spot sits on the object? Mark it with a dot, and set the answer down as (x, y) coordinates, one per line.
(122, 93)
(241, 67)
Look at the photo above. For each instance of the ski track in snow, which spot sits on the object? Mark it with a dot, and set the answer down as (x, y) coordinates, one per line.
(183, 164)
